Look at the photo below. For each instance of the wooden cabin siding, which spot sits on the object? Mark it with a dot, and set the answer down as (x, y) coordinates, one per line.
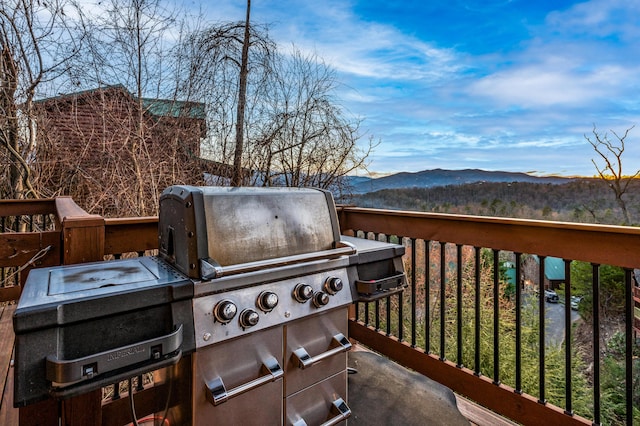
(89, 141)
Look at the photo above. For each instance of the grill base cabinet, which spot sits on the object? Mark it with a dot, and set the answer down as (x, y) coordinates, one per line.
(312, 391)
(234, 364)
(294, 394)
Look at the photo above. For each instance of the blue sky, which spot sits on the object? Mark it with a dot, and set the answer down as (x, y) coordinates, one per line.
(495, 85)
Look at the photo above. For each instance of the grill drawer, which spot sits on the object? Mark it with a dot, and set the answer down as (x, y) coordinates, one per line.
(320, 403)
(316, 335)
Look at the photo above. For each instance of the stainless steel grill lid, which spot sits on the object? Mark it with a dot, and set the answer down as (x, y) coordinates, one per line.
(205, 229)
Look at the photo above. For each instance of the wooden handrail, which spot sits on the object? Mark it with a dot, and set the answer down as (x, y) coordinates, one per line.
(135, 234)
(616, 245)
(68, 211)
(27, 207)
(602, 244)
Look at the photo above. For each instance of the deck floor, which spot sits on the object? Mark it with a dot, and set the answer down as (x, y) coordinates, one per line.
(8, 414)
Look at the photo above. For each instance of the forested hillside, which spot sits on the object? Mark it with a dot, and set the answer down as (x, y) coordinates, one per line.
(580, 200)
(441, 177)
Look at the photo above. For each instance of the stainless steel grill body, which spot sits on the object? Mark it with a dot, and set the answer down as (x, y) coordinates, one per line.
(270, 301)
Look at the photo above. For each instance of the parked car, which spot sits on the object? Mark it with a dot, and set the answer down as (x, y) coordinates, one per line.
(575, 301)
(551, 296)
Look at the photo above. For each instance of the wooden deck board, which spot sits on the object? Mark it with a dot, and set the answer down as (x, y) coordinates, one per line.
(480, 416)
(8, 414)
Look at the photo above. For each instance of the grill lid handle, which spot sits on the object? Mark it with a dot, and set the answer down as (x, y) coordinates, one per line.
(215, 270)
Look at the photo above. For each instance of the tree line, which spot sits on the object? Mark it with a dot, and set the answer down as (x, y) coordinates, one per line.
(580, 200)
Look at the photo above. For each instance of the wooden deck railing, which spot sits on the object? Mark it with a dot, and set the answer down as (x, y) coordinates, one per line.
(442, 246)
(28, 237)
(391, 326)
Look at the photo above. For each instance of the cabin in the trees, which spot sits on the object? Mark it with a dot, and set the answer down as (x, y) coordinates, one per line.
(91, 141)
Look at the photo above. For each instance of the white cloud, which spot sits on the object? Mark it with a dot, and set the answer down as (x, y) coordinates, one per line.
(364, 48)
(598, 18)
(528, 87)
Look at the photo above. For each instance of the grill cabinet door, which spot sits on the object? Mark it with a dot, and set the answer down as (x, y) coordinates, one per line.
(253, 395)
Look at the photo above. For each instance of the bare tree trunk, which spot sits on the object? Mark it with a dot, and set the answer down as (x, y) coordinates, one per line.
(27, 30)
(623, 207)
(289, 129)
(9, 134)
(611, 173)
(242, 100)
(19, 172)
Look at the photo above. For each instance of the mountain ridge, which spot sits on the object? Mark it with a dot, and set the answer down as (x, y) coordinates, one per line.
(443, 177)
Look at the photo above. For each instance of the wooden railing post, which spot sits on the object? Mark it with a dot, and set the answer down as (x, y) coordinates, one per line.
(82, 240)
(82, 233)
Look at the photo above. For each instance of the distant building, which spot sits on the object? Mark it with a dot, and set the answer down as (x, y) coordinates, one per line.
(510, 275)
(110, 115)
(553, 272)
(90, 142)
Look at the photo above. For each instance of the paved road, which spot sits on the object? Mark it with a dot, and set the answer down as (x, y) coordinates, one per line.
(554, 331)
(554, 317)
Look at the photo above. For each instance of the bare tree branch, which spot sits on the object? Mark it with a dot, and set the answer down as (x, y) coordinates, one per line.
(27, 29)
(610, 153)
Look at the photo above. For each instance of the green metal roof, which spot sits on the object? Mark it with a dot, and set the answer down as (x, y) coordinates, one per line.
(553, 268)
(170, 108)
(156, 107)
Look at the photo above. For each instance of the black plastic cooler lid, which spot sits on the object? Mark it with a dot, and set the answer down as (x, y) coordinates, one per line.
(66, 294)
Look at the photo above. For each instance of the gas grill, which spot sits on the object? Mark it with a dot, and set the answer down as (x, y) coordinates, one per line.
(255, 282)
(270, 301)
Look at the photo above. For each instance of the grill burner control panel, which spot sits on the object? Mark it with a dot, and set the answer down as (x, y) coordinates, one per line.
(230, 314)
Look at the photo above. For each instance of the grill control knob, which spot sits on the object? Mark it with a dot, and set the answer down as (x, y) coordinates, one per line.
(225, 311)
(267, 300)
(333, 285)
(320, 299)
(302, 292)
(249, 318)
